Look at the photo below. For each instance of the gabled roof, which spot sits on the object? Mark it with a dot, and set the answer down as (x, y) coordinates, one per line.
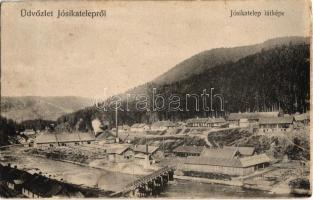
(206, 120)
(105, 135)
(188, 149)
(141, 156)
(276, 120)
(216, 161)
(225, 162)
(225, 153)
(13, 175)
(36, 183)
(251, 115)
(118, 150)
(246, 151)
(254, 160)
(142, 149)
(43, 186)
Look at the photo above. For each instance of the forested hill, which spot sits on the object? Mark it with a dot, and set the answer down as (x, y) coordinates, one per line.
(36, 107)
(270, 79)
(211, 58)
(202, 61)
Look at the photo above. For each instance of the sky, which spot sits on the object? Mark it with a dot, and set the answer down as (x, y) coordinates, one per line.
(135, 43)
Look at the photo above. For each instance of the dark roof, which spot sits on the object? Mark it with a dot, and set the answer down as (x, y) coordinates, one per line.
(42, 186)
(36, 183)
(206, 120)
(276, 120)
(251, 115)
(188, 149)
(12, 174)
(104, 135)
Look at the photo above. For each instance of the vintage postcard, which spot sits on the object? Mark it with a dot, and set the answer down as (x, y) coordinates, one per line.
(155, 99)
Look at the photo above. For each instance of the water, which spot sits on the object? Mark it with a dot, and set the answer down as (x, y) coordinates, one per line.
(115, 181)
(190, 189)
(76, 174)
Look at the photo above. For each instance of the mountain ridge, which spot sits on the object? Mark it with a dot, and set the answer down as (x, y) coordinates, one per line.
(201, 61)
(20, 108)
(277, 78)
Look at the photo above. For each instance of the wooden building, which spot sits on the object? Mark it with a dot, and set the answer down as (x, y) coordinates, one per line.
(302, 119)
(153, 152)
(64, 139)
(205, 122)
(276, 124)
(105, 137)
(124, 128)
(119, 154)
(28, 133)
(225, 161)
(241, 119)
(139, 127)
(35, 185)
(162, 125)
(243, 151)
(185, 151)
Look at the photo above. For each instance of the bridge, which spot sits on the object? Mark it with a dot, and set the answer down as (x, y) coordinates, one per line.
(149, 185)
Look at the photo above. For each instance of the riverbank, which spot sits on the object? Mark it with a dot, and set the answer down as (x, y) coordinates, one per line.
(237, 183)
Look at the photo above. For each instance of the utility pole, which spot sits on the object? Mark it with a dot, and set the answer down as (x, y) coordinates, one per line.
(116, 122)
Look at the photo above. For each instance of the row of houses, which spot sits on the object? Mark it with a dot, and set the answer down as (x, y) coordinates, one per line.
(248, 118)
(265, 121)
(24, 184)
(142, 153)
(233, 161)
(185, 151)
(166, 125)
(64, 139)
(206, 122)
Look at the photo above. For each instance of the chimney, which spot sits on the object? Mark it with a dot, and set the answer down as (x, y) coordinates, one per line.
(147, 149)
(9, 164)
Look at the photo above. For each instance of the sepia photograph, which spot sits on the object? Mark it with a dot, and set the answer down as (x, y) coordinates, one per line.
(155, 99)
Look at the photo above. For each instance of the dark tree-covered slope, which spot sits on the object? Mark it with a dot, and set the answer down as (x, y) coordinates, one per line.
(270, 79)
